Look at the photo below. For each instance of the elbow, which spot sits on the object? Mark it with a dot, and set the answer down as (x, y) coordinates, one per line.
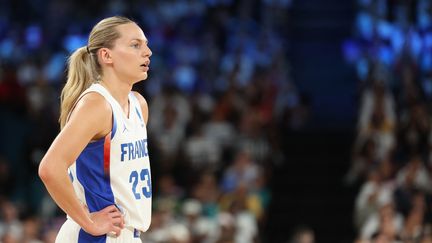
(50, 172)
(44, 171)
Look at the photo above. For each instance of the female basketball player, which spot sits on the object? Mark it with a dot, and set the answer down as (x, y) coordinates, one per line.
(97, 169)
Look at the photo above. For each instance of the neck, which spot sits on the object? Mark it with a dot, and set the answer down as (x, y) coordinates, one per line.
(118, 89)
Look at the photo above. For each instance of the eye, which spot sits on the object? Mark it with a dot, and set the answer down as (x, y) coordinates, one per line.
(135, 45)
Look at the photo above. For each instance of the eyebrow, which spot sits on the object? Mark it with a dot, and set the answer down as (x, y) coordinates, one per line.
(140, 40)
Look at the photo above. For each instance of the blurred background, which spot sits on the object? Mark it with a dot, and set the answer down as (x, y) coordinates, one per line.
(292, 121)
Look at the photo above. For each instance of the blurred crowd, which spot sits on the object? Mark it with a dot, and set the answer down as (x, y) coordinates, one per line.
(392, 153)
(220, 97)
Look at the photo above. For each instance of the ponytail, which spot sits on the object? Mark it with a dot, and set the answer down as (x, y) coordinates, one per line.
(81, 75)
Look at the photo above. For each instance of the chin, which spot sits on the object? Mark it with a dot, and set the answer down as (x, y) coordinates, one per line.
(140, 78)
(144, 76)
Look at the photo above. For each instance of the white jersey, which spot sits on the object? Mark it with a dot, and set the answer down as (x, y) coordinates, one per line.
(115, 170)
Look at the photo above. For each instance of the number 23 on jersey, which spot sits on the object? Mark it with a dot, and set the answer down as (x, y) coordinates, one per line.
(144, 177)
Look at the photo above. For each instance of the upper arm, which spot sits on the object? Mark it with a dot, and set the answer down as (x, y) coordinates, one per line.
(91, 119)
(143, 104)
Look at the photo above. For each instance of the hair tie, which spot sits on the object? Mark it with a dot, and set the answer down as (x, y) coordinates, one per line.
(88, 51)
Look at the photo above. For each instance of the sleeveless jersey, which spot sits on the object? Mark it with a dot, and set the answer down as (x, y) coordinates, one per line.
(115, 170)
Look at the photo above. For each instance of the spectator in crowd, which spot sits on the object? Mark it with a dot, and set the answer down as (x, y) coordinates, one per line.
(10, 224)
(394, 120)
(302, 234)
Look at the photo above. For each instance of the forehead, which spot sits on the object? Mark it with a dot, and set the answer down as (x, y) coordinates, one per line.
(130, 32)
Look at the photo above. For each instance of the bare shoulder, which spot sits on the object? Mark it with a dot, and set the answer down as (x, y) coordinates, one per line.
(91, 119)
(93, 112)
(143, 104)
(95, 104)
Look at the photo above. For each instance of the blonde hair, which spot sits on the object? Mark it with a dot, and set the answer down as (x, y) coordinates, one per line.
(83, 66)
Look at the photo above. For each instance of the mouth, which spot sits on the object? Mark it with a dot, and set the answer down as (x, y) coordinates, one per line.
(144, 67)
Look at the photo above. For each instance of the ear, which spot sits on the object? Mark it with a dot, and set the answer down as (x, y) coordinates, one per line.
(105, 56)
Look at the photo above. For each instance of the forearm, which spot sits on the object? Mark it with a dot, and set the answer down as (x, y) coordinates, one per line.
(59, 186)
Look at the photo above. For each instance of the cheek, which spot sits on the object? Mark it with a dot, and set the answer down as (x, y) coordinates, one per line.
(123, 57)
(124, 61)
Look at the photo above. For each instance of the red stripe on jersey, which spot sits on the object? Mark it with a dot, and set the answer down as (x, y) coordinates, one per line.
(107, 152)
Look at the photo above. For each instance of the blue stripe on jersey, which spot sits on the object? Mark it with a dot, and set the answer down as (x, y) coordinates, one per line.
(97, 188)
(139, 115)
(114, 126)
(90, 173)
(71, 176)
(138, 111)
(85, 237)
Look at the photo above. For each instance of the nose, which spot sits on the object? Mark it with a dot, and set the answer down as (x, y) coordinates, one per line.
(147, 51)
